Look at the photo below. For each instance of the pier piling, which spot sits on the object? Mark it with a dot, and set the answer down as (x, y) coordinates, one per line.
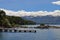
(16, 30)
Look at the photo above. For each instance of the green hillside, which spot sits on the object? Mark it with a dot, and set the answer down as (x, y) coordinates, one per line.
(11, 21)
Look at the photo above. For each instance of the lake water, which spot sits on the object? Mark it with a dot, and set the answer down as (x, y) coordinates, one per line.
(41, 34)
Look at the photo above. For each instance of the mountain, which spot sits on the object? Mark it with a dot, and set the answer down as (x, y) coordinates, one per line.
(52, 17)
(11, 21)
(45, 19)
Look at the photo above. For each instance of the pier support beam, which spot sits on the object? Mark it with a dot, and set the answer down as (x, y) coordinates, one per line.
(16, 30)
(1, 30)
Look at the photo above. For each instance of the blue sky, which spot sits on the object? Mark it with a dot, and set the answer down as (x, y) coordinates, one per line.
(29, 5)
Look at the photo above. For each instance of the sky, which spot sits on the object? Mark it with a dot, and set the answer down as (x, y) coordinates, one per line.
(30, 5)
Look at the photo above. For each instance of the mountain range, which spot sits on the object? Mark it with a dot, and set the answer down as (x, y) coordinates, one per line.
(44, 19)
(37, 16)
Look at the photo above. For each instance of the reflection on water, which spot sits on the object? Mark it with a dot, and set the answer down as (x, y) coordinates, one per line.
(41, 34)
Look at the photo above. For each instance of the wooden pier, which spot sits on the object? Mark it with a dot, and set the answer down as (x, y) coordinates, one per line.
(17, 30)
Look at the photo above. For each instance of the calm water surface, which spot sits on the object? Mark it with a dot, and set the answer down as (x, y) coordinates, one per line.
(41, 34)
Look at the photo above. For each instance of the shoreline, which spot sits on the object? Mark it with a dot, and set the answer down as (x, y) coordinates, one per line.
(47, 27)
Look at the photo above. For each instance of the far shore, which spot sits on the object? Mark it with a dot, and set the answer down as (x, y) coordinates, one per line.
(47, 27)
(39, 27)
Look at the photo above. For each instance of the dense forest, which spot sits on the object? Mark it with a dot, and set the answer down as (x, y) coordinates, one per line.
(11, 21)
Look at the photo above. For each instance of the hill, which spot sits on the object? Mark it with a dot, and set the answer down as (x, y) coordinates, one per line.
(11, 21)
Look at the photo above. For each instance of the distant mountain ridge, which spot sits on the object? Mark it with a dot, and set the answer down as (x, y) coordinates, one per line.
(37, 16)
(45, 19)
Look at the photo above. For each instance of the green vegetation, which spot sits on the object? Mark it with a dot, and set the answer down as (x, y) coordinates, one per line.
(12, 21)
(42, 24)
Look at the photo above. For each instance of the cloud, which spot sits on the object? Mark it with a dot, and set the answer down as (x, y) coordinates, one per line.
(23, 13)
(57, 2)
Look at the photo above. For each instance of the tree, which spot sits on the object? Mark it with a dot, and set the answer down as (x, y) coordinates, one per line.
(2, 14)
(42, 24)
(3, 19)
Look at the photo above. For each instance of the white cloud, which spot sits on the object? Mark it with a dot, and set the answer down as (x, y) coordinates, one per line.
(23, 13)
(57, 2)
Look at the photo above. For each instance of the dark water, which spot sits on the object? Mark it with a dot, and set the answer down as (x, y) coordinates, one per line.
(41, 34)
